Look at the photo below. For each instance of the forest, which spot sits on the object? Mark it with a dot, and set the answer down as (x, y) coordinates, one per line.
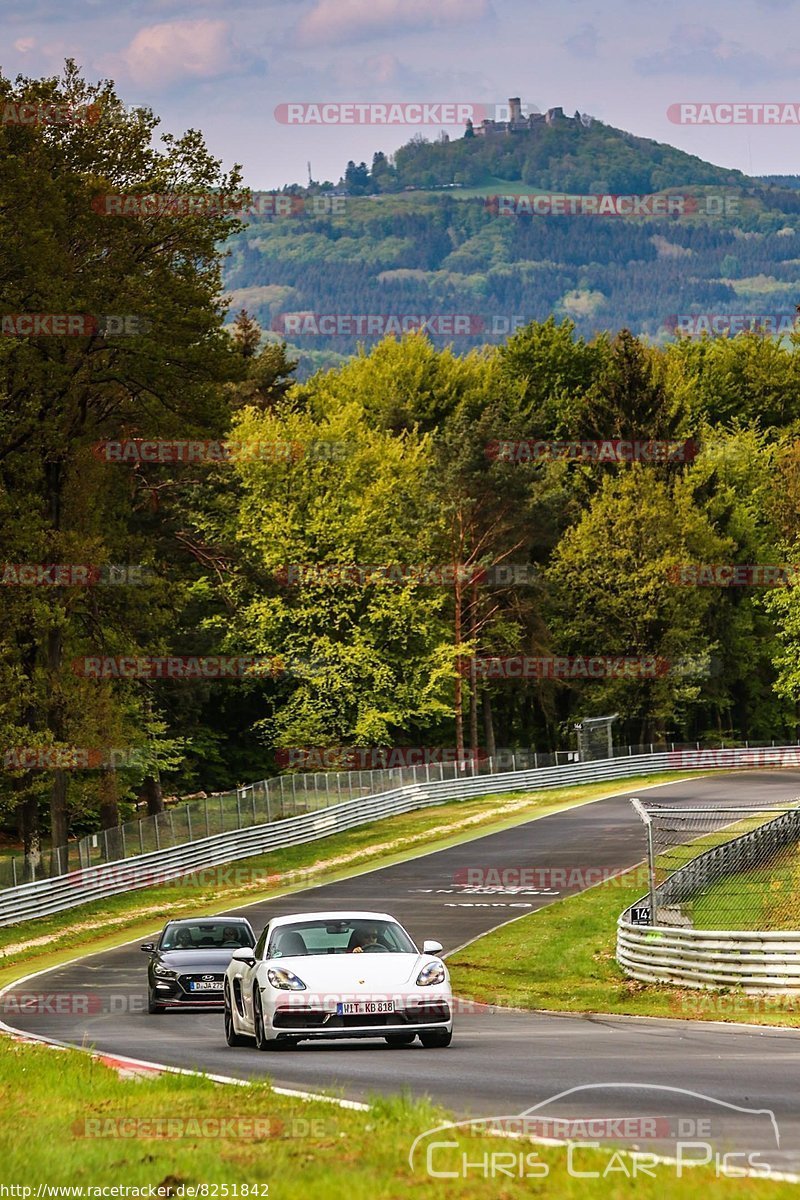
(208, 561)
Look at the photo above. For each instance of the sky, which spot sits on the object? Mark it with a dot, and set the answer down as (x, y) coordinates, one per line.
(225, 68)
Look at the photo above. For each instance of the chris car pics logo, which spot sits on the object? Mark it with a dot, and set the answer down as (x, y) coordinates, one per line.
(605, 1131)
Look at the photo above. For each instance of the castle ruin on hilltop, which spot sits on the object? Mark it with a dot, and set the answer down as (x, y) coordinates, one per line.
(517, 123)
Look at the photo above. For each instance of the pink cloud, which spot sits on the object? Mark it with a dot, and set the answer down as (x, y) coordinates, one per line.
(163, 54)
(332, 21)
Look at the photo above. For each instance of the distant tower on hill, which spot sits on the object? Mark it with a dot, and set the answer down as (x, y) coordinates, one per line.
(515, 107)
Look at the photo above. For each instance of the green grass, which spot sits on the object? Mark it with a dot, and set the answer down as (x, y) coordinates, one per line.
(523, 965)
(65, 1112)
(102, 924)
(764, 897)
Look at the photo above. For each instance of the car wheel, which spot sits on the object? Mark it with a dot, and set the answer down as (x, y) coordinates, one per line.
(399, 1039)
(231, 1036)
(152, 1007)
(262, 1041)
(434, 1039)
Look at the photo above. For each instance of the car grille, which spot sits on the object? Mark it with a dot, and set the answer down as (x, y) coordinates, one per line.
(318, 1018)
(420, 1014)
(188, 995)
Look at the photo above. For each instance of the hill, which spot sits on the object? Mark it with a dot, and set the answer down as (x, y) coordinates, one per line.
(570, 154)
(479, 235)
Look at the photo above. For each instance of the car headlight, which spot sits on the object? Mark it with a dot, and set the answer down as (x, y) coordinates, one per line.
(432, 973)
(164, 972)
(286, 981)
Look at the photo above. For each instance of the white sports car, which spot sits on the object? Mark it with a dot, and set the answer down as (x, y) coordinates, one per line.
(337, 975)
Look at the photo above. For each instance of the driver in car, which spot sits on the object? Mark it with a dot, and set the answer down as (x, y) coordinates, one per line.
(368, 937)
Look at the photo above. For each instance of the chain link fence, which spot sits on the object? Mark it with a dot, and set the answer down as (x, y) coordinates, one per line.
(292, 795)
(722, 867)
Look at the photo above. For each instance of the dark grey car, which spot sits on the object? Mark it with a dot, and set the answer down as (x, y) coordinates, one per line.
(187, 963)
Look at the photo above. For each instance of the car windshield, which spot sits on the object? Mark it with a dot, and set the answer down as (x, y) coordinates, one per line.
(206, 935)
(348, 935)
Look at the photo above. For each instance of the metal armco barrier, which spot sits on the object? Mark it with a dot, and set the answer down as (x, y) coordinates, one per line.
(753, 960)
(709, 958)
(127, 874)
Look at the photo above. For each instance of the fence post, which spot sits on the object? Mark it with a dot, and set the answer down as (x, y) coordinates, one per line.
(208, 827)
(221, 814)
(189, 822)
(238, 811)
(124, 847)
(253, 792)
(141, 838)
(105, 839)
(328, 788)
(14, 871)
(269, 811)
(651, 866)
(155, 827)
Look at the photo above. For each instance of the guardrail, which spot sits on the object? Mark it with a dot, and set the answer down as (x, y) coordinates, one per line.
(289, 795)
(754, 960)
(30, 900)
(709, 958)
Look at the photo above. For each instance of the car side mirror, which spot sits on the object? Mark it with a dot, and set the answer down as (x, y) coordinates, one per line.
(148, 948)
(244, 954)
(431, 947)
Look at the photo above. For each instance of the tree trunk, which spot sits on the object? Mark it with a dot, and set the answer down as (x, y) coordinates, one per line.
(27, 812)
(488, 725)
(56, 724)
(58, 787)
(459, 683)
(473, 681)
(151, 791)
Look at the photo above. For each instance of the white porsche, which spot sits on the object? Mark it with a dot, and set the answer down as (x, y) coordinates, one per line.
(337, 975)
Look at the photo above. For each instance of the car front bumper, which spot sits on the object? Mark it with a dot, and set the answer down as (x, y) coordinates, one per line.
(321, 1022)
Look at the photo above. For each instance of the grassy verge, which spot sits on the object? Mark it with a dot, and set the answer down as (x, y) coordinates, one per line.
(73, 1122)
(523, 965)
(105, 923)
(764, 897)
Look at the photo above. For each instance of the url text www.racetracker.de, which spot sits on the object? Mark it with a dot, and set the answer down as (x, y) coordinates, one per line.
(191, 1191)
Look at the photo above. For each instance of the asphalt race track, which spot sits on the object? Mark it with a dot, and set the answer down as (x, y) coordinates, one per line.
(500, 1062)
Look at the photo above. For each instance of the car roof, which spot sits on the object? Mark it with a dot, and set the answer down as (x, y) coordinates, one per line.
(208, 921)
(338, 915)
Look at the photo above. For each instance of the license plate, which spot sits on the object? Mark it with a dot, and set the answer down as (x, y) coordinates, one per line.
(203, 986)
(349, 1008)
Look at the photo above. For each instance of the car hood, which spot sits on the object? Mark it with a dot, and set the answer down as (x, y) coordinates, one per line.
(195, 960)
(370, 972)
